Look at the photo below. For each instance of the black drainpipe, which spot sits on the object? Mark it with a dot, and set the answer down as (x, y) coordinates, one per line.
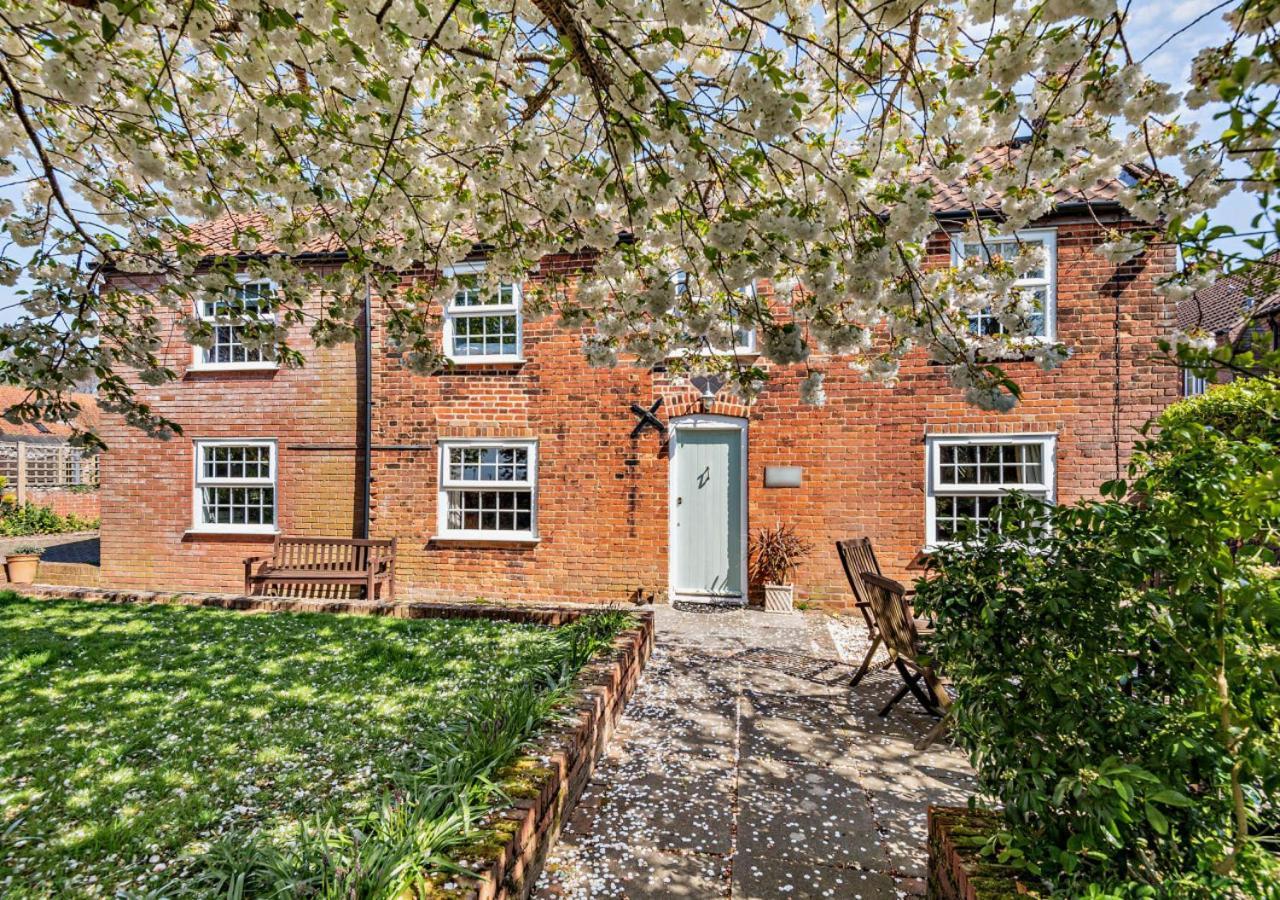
(366, 438)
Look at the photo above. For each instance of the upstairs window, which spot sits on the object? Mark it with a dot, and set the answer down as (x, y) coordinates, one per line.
(248, 301)
(487, 490)
(482, 322)
(235, 486)
(1040, 281)
(969, 476)
(743, 340)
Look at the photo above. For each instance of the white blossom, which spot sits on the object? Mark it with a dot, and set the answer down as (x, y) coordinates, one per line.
(711, 140)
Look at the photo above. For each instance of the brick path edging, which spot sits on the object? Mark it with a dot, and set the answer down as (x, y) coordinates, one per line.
(560, 760)
(957, 870)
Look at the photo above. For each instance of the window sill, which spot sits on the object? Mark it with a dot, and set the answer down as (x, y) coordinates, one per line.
(237, 534)
(486, 540)
(740, 353)
(203, 368)
(464, 362)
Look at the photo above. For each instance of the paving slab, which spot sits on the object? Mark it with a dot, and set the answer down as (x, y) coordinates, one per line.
(803, 812)
(745, 767)
(611, 870)
(774, 879)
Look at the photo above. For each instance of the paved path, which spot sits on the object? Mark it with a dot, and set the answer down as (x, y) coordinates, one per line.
(75, 547)
(746, 768)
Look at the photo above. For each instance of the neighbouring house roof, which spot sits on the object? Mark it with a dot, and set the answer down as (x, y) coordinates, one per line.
(45, 432)
(1229, 303)
(218, 235)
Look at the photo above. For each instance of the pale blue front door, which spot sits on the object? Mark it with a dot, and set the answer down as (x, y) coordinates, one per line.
(707, 518)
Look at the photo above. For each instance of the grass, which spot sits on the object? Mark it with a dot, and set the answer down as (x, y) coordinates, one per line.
(170, 751)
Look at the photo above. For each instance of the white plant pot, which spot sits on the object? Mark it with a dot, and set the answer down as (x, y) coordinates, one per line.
(779, 598)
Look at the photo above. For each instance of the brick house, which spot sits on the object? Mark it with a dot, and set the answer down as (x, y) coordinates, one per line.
(1242, 310)
(520, 473)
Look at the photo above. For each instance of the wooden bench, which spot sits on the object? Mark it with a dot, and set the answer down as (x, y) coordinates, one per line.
(324, 568)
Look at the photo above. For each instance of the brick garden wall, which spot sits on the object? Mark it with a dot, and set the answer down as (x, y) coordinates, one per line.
(602, 501)
(66, 501)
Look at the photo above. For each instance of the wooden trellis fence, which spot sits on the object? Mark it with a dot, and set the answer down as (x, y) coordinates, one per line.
(30, 466)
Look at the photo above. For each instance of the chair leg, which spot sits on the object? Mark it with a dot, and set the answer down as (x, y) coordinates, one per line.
(934, 733)
(913, 684)
(902, 692)
(866, 662)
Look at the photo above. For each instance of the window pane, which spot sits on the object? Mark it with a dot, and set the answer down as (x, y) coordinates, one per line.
(489, 464)
(240, 463)
(493, 510)
(1002, 465)
(470, 293)
(237, 505)
(485, 335)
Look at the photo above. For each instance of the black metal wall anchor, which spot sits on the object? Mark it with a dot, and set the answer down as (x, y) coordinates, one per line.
(648, 418)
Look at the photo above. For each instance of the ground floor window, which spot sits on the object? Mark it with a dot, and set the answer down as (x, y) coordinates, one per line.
(488, 489)
(968, 475)
(235, 486)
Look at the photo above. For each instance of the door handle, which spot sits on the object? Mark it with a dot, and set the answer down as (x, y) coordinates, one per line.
(679, 501)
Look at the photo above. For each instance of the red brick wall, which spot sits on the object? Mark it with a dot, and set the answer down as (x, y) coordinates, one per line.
(66, 502)
(146, 484)
(602, 495)
(602, 504)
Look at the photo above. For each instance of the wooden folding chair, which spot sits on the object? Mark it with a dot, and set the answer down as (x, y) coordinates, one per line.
(857, 556)
(889, 605)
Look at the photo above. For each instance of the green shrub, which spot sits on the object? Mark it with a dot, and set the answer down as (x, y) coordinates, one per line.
(17, 521)
(1118, 674)
(1249, 404)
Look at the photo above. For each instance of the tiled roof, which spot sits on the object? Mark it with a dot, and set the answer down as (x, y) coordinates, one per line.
(218, 235)
(12, 395)
(1224, 306)
(951, 199)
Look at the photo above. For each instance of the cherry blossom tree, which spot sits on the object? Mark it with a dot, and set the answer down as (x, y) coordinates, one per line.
(731, 141)
(1240, 79)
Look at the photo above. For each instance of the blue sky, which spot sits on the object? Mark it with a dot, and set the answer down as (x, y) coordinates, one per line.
(1151, 22)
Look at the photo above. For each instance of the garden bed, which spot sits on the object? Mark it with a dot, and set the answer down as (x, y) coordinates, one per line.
(957, 868)
(160, 748)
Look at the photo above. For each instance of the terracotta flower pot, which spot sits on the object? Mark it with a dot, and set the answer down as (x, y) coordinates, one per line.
(779, 598)
(22, 567)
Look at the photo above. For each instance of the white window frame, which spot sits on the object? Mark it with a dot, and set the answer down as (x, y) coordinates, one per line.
(1193, 385)
(751, 348)
(447, 484)
(453, 313)
(934, 487)
(199, 363)
(198, 482)
(1049, 237)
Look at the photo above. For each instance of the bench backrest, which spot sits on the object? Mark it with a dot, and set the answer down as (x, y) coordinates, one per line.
(330, 554)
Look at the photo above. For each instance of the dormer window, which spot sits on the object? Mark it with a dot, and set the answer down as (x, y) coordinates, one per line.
(229, 317)
(1040, 281)
(482, 322)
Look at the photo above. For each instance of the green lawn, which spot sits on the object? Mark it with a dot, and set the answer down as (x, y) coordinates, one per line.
(156, 750)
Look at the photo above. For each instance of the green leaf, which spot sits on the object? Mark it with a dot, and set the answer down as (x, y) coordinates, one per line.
(1157, 819)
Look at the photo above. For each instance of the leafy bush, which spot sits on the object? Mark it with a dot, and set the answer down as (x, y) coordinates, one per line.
(16, 521)
(1118, 677)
